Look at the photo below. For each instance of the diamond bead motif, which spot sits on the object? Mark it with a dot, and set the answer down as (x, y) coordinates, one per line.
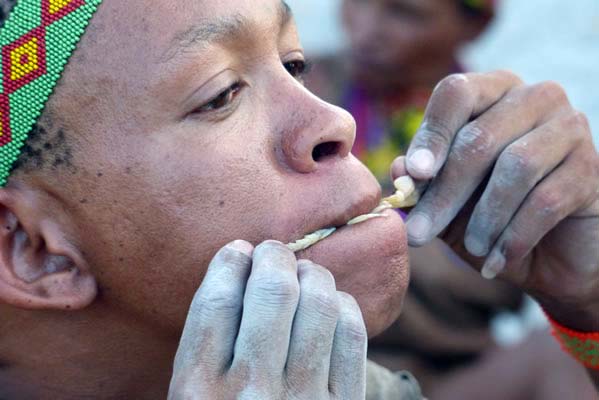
(33, 63)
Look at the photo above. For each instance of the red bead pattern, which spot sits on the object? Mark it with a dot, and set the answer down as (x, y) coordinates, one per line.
(33, 63)
(583, 346)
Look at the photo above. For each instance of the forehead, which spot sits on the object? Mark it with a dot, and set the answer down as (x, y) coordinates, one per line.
(135, 35)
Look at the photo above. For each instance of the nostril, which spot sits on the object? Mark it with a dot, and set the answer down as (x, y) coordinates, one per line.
(325, 150)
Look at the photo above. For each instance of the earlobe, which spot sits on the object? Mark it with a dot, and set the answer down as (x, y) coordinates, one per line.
(39, 268)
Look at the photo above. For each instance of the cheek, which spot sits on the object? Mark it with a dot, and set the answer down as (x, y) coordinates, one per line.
(160, 218)
(380, 293)
(371, 263)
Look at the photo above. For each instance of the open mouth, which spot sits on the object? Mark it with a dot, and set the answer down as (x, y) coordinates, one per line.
(405, 196)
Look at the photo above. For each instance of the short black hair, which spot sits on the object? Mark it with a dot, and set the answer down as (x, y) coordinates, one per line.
(46, 144)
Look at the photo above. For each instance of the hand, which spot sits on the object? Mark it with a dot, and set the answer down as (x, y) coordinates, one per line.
(513, 187)
(266, 326)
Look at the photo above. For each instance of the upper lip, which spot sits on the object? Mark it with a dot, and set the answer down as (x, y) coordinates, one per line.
(361, 205)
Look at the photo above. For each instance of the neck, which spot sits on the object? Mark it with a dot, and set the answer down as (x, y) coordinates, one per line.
(76, 359)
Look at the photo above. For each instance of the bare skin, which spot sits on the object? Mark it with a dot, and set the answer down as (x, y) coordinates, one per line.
(165, 175)
(178, 153)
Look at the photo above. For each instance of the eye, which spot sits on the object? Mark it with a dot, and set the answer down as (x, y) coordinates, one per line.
(298, 68)
(222, 100)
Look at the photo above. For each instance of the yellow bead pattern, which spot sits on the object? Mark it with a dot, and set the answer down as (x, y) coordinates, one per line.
(36, 43)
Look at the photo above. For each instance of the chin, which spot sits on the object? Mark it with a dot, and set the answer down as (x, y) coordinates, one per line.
(370, 262)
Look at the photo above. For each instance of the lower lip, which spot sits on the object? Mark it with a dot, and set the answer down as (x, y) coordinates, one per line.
(375, 238)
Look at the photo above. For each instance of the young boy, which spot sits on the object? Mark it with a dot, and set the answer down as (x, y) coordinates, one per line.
(179, 127)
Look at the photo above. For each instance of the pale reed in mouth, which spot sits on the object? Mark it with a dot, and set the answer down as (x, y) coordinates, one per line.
(405, 196)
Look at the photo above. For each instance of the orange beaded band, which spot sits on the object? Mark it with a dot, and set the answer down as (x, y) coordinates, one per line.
(583, 346)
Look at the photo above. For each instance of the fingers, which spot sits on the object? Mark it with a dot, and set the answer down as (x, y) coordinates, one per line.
(313, 327)
(270, 302)
(454, 102)
(473, 152)
(213, 319)
(348, 359)
(399, 168)
(559, 195)
(520, 167)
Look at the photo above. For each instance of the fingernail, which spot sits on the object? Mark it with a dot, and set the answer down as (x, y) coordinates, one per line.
(494, 265)
(475, 246)
(423, 160)
(242, 247)
(419, 226)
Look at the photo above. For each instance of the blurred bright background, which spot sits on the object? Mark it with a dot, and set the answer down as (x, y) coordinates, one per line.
(538, 39)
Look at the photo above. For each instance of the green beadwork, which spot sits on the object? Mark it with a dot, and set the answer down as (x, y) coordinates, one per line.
(585, 350)
(24, 98)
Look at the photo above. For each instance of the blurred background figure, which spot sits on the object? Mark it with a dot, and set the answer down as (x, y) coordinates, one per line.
(537, 39)
(381, 59)
(398, 50)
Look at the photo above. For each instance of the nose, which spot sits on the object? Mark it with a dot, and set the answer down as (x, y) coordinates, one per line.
(314, 132)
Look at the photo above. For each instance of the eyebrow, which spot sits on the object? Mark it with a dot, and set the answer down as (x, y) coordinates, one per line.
(218, 31)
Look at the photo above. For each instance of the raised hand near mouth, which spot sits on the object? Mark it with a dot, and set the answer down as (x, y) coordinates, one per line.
(512, 180)
(264, 325)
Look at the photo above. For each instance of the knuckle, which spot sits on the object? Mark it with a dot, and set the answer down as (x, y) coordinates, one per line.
(325, 301)
(438, 133)
(509, 76)
(474, 139)
(182, 389)
(518, 162)
(354, 331)
(314, 271)
(547, 203)
(276, 287)
(516, 247)
(233, 257)
(216, 300)
(549, 90)
(274, 250)
(579, 120)
(317, 289)
(351, 321)
(455, 86)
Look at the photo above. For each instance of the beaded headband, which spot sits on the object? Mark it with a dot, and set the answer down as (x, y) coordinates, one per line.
(36, 43)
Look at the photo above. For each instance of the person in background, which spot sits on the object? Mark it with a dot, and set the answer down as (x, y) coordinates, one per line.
(398, 52)
(180, 126)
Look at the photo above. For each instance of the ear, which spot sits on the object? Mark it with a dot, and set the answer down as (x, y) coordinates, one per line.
(40, 268)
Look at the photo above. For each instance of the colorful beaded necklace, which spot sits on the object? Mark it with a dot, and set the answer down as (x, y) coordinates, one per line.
(37, 42)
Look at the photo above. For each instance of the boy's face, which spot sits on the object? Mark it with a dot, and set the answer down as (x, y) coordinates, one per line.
(390, 39)
(191, 133)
